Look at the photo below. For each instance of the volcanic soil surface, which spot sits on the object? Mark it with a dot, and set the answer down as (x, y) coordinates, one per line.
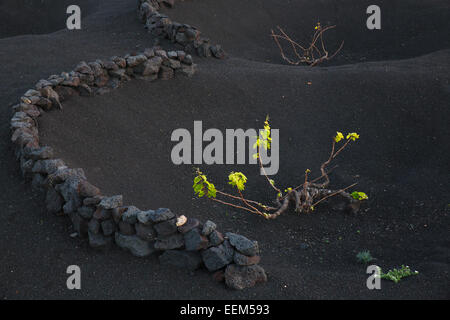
(390, 85)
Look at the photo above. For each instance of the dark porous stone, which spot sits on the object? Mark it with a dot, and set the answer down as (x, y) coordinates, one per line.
(187, 70)
(110, 65)
(215, 238)
(172, 55)
(161, 53)
(38, 182)
(108, 227)
(65, 93)
(117, 213)
(39, 154)
(241, 277)
(121, 62)
(83, 67)
(86, 212)
(166, 228)
(88, 190)
(217, 51)
(99, 241)
(126, 228)
(119, 74)
(134, 244)
(166, 73)
(69, 192)
(172, 63)
(149, 52)
(130, 215)
(85, 90)
(216, 258)
(93, 201)
(94, 226)
(242, 244)
(160, 215)
(80, 225)
(102, 214)
(54, 201)
(181, 259)
(26, 167)
(204, 50)
(28, 109)
(64, 173)
(145, 232)
(52, 96)
(149, 67)
(111, 202)
(189, 225)
(244, 260)
(188, 60)
(144, 217)
(135, 60)
(48, 166)
(195, 241)
(192, 34)
(174, 241)
(208, 228)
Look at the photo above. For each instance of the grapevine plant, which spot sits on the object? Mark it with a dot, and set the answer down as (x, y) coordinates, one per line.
(305, 197)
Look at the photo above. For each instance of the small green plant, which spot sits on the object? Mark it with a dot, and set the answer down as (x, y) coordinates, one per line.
(364, 257)
(397, 274)
(305, 196)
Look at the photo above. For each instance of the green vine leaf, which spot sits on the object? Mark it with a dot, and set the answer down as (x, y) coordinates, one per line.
(238, 180)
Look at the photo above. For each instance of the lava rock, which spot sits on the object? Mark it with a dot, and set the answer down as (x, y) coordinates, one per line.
(195, 241)
(108, 227)
(244, 260)
(102, 214)
(86, 212)
(88, 190)
(111, 202)
(39, 153)
(130, 215)
(48, 166)
(54, 201)
(150, 67)
(216, 258)
(144, 217)
(215, 238)
(133, 61)
(242, 244)
(241, 277)
(134, 244)
(79, 224)
(92, 201)
(174, 241)
(64, 174)
(94, 226)
(208, 228)
(166, 228)
(69, 192)
(145, 232)
(161, 215)
(126, 228)
(217, 51)
(166, 73)
(189, 225)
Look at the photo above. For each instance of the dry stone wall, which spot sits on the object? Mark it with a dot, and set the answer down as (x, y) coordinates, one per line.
(186, 35)
(180, 241)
